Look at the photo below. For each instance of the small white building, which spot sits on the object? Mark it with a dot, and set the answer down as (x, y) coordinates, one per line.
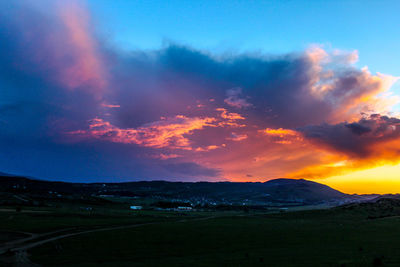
(185, 208)
(136, 207)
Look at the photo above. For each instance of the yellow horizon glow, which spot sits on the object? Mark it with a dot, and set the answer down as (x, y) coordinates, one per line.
(379, 180)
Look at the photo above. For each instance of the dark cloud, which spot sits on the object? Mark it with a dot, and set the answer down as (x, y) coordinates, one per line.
(358, 128)
(279, 91)
(359, 139)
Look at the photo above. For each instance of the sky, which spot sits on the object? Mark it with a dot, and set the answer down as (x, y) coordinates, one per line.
(119, 91)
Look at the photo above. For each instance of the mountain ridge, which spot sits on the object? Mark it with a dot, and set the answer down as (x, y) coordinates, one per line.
(281, 190)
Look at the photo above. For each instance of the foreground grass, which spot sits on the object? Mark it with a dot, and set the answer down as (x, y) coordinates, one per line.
(54, 219)
(312, 238)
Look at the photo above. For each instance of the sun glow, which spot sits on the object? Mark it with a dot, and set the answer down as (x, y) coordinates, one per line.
(379, 180)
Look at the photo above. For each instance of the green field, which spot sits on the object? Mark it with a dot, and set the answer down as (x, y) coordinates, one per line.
(334, 237)
(44, 221)
(310, 238)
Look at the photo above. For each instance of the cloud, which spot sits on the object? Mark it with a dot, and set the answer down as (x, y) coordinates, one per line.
(85, 67)
(345, 57)
(358, 128)
(165, 133)
(365, 138)
(233, 98)
(237, 137)
(282, 136)
(59, 47)
(166, 156)
(110, 105)
(369, 142)
(178, 110)
(279, 132)
(230, 115)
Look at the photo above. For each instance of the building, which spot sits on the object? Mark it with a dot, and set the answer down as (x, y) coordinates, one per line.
(184, 208)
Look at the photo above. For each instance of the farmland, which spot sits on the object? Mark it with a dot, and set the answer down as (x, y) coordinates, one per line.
(334, 237)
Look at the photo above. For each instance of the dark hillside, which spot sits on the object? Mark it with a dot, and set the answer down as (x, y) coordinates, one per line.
(289, 191)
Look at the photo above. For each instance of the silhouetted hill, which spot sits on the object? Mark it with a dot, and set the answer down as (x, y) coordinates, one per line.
(5, 174)
(307, 191)
(282, 191)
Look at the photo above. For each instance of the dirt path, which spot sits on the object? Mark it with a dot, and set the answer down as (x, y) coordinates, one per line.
(19, 247)
(41, 242)
(14, 243)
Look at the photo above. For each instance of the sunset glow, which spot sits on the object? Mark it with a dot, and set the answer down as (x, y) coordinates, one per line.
(71, 96)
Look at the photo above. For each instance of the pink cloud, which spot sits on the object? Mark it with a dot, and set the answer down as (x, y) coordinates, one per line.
(86, 68)
(169, 132)
(110, 105)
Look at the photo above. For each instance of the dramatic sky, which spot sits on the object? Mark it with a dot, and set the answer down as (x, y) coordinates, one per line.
(211, 90)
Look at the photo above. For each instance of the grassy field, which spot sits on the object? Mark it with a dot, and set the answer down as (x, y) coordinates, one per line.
(46, 221)
(308, 238)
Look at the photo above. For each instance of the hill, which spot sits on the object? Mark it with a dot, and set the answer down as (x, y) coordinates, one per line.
(380, 207)
(302, 191)
(277, 192)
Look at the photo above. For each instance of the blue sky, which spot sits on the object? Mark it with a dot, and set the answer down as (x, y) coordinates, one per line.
(371, 27)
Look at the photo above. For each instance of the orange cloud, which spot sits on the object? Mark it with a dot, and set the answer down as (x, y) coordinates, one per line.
(259, 156)
(230, 115)
(230, 118)
(207, 148)
(282, 136)
(279, 132)
(163, 156)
